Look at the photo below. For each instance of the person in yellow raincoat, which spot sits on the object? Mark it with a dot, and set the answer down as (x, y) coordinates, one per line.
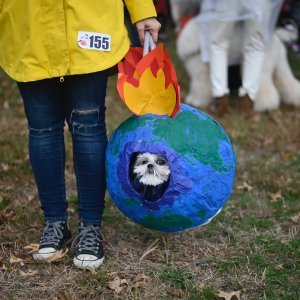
(59, 53)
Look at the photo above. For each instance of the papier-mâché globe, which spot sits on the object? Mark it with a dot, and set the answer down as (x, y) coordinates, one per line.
(202, 163)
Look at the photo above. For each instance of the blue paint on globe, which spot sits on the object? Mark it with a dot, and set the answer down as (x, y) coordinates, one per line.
(202, 163)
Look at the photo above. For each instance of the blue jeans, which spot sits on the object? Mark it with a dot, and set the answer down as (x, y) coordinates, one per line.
(80, 100)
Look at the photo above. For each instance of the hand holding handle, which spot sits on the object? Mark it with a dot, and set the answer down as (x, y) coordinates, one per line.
(149, 44)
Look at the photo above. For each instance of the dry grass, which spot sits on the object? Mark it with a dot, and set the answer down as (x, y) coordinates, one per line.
(252, 246)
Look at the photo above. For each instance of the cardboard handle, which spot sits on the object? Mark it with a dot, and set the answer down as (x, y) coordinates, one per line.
(149, 44)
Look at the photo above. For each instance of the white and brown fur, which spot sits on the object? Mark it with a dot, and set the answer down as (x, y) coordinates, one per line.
(277, 83)
(149, 175)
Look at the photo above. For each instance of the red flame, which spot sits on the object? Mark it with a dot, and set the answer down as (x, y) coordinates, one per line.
(134, 65)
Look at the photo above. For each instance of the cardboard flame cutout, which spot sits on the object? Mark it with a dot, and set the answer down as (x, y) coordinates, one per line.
(148, 85)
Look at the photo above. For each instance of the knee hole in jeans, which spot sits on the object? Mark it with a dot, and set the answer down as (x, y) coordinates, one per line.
(45, 132)
(87, 121)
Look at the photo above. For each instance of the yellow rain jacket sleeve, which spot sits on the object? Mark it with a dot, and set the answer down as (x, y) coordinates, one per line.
(40, 39)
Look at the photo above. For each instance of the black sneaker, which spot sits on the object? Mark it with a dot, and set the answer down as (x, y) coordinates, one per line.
(55, 236)
(87, 246)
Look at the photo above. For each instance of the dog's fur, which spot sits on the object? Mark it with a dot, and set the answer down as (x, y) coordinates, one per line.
(149, 175)
(277, 82)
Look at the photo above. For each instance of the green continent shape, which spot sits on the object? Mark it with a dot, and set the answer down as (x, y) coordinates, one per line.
(129, 201)
(201, 214)
(167, 222)
(193, 137)
(129, 125)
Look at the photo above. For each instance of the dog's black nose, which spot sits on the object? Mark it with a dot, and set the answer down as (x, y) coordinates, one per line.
(150, 166)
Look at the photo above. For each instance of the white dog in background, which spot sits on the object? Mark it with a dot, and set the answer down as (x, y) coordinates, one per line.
(277, 82)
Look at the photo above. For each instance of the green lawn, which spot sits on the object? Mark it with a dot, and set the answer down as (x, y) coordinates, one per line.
(251, 247)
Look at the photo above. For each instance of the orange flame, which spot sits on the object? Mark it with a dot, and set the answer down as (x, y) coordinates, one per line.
(148, 85)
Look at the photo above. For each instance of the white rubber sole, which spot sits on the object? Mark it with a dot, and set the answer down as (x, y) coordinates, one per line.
(43, 256)
(88, 264)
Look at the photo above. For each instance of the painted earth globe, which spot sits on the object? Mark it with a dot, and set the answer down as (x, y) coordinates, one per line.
(202, 164)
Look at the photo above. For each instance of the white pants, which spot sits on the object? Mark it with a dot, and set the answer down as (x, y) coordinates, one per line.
(253, 57)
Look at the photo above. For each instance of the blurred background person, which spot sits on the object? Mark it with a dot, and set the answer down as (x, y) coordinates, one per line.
(218, 19)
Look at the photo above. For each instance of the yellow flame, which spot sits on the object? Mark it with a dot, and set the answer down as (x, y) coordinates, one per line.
(151, 96)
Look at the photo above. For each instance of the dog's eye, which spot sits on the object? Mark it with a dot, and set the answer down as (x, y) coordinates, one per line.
(144, 162)
(161, 162)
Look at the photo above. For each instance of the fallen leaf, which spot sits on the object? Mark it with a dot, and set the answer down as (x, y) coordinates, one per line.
(30, 197)
(124, 250)
(92, 270)
(2, 266)
(275, 197)
(64, 296)
(29, 273)
(5, 167)
(109, 233)
(279, 267)
(71, 210)
(287, 155)
(268, 141)
(6, 105)
(8, 213)
(245, 186)
(229, 295)
(140, 279)
(136, 285)
(29, 260)
(14, 260)
(58, 256)
(177, 293)
(285, 241)
(116, 284)
(9, 187)
(296, 218)
(256, 118)
(32, 247)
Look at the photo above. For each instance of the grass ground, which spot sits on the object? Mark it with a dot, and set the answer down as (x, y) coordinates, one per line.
(251, 249)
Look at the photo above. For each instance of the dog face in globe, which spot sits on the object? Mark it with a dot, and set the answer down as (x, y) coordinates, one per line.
(149, 175)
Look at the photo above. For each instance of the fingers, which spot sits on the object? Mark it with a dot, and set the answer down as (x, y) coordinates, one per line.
(151, 25)
(154, 35)
(141, 33)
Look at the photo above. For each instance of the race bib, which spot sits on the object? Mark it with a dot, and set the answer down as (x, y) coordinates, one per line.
(94, 41)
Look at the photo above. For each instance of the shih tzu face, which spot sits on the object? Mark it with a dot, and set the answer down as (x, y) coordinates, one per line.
(151, 169)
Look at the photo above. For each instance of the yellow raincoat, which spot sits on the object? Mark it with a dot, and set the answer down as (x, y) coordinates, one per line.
(45, 39)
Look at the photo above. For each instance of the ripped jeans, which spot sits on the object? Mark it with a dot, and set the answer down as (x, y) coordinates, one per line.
(80, 100)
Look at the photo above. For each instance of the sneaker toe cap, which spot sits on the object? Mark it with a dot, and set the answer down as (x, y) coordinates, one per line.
(87, 261)
(44, 254)
(48, 250)
(86, 257)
